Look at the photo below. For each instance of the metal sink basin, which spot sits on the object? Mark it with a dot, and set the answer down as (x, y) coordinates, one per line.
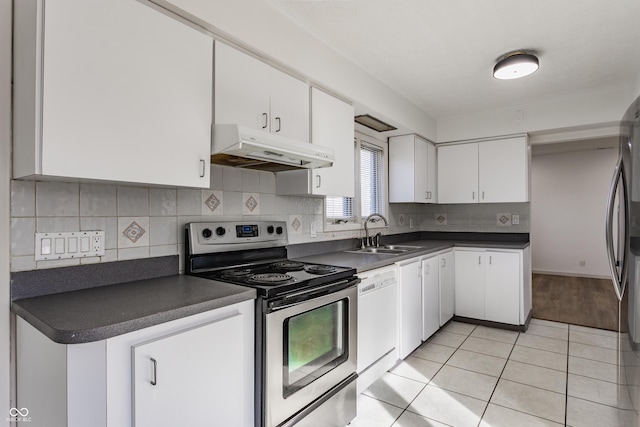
(386, 250)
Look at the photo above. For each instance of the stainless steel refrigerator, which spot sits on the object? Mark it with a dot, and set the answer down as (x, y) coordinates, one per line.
(623, 247)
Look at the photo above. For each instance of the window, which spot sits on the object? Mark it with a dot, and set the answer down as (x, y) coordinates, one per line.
(370, 180)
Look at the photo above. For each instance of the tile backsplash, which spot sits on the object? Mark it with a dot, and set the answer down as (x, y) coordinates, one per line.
(142, 222)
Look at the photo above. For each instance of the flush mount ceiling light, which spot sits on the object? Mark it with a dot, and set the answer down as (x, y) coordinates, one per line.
(515, 65)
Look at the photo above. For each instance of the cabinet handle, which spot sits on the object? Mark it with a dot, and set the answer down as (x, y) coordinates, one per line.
(483, 195)
(279, 124)
(266, 120)
(473, 196)
(489, 260)
(444, 262)
(480, 260)
(202, 168)
(318, 181)
(154, 363)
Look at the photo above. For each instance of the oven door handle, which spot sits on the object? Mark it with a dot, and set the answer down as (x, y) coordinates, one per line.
(295, 298)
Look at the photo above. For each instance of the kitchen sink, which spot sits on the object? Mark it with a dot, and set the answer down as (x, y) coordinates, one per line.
(386, 250)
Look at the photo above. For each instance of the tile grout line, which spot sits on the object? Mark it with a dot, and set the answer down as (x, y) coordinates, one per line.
(499, 378)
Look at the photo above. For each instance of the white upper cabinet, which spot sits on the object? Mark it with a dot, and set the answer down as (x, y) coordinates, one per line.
(250, 92)
(458, 173)
(112, 91)
(412, 170)
(491, 171)
(504, 170)
(332, 126)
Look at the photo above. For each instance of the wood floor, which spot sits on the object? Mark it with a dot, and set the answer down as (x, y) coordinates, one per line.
(575, 300)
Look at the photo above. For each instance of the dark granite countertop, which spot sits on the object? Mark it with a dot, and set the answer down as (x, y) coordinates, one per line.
(363, 261)
(87, 315)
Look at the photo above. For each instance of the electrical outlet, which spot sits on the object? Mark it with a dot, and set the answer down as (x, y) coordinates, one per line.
(410, 222)
(312, 231)
(515, 219)
(69, 244)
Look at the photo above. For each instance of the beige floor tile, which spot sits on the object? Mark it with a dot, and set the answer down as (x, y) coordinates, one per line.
(374, 413)
(542, 343)
(549, 323)
(582, 413)
(586, 351)
(434, 352)
(409, 419)
(499, 416)
(594, 369)
(545, 378)
(417, 369)
(492, 348)
(531, 400)
(593, 339)
(448, 339)
(547, 331)
(603, 332)
(598, 391)
(459, 328)
(448, 407)
(472, 384)
(394, 390)
(494, 334)
(533, 356)
(481, 363)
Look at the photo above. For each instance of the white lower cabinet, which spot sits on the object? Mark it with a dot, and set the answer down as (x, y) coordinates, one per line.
(447, 282)
(198, 371)
(203, 374)
(410, 306)
(430, 296)
(490, 285)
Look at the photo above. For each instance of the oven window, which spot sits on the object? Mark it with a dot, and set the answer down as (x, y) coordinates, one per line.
(316, 341)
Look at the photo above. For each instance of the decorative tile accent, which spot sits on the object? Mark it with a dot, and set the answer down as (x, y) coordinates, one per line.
(295, 224)
(213, 202)
(250, 204)
(503, 219)
(441, 219)
(133, 232)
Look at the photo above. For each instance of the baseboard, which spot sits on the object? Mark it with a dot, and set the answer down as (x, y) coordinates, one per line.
(562, 273)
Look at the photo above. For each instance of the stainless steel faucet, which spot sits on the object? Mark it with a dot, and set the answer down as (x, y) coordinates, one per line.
(366, 230)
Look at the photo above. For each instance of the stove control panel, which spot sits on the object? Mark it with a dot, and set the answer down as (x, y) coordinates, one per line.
(208, 237)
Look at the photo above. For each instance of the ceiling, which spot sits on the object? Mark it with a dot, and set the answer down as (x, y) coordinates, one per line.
(440, 54)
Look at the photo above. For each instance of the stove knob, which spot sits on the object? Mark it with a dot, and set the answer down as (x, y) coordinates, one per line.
(270, 229)
(220, 231)
(206, 233)
(279, 230)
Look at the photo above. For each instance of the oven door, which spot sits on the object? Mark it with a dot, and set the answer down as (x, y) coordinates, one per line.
(310, 348)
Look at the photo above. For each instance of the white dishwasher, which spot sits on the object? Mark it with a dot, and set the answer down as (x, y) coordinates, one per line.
(377, 324)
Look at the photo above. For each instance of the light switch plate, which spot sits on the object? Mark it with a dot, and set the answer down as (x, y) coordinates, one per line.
(69, 244)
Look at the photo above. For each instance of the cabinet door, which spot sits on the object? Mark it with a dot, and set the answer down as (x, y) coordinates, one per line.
(469, 288)
(402, 171)
(126, 95)
(502, 287)
(430, 297)
(421, 164)
(504, 171)
(447, 286)
(432, 173)
(289, 106)
(197, 374)
(410, 307)
(242, 89)
(458, 173)
(333, 127)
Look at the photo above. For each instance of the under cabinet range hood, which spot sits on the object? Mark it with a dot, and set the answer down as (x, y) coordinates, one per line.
(241, 146)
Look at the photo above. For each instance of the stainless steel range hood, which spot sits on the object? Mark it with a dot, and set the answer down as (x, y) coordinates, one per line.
(241, 146)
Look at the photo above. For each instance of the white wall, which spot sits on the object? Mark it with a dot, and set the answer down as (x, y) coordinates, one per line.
(568, 201)
(5, 165)
(265, 31)
(601, 106)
